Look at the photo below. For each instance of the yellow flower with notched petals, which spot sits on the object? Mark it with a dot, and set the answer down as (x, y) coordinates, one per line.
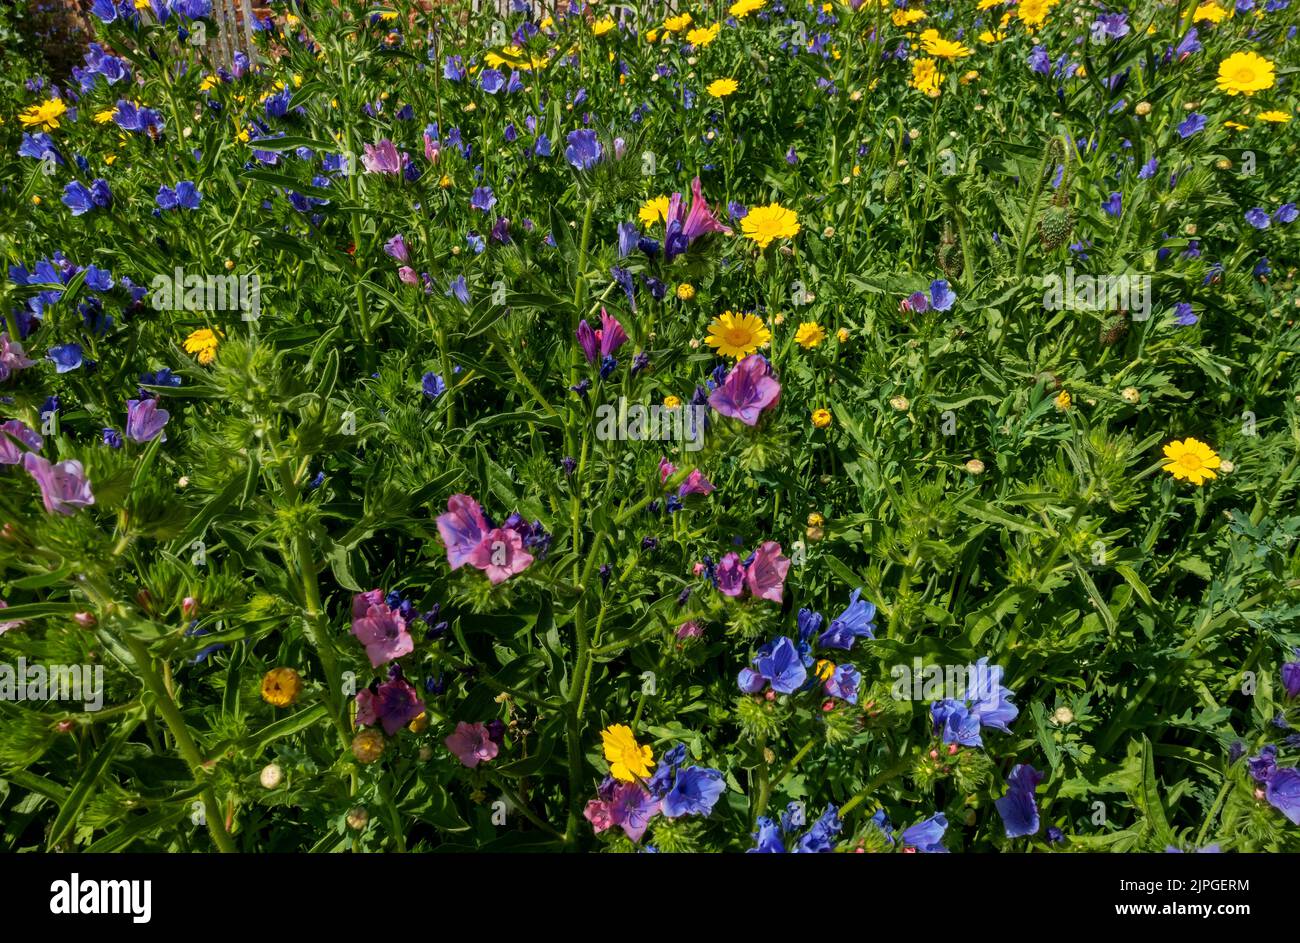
(45, 115)
(1191, 460)
(653, 211)
(204, 343)
(737, 335)
(628, 760)
(675, 24)
(901, 18)
(601, 27)
(1273, 117)
(742, 8)
(105, 116)
(762, 224)
(721, 88)
(810, 334)
(702, 36)
(1210, 13)
(1245, 73)
(925, 76)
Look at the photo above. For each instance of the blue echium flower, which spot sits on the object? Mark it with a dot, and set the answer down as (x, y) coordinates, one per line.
(853, 623)
(986, 703)
(820, 838)
(1018, 808)
(777, 664)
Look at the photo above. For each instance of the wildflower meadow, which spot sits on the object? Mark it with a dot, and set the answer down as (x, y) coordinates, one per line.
(752, 426)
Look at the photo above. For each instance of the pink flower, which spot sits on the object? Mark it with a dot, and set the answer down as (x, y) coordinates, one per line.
(690, 629)
(463, 528)
(383, 633)
(666, 470)
(408, 276)
(765, 575)
(12, 357)
(362, 602)
(598, 814)
(382, 158)
(748, 390)
(471, 744)
(731, 575)
(501, 554)
(64, 487)
(16, 438)
(6, 626)
(695, 483)
(394, 705)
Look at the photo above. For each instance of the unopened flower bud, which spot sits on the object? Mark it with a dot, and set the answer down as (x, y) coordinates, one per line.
(271, 776)
(358, 818)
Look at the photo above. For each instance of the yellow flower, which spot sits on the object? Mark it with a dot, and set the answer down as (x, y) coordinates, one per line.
(601, 27)
(842, 335)
(1275, 117)
(628, 760)
(685, 291)
(765, 223)
(1210, 12)
(203, 342)
(281, 687)
(368, 745)
(105, 116)
(654, 210)
(208, 84)
(675, 24)
(936, 45)
(1191, 460)
(721, 88)
(1063, 400)
(903, 18)
(672, 402)
(702, 36)
(988, 4)
(810, 334)
(1034, 12)
(823, 669)
(742, 8)
(736, 334)
(991, 37)
(1234, 126)
(1245, 73)
(45, 115)
(445, 182)
(821, 418)
(420, 724)
(815, 519)
(925, 76)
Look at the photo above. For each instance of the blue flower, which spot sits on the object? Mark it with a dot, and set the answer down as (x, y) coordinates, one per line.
(65, 357)
(1040, 61)
(1114, 204)
(853, 623)
(458, 290)
(821, 837)
(491, 80)
(843, 683)
(1018, 808)
(584, 149)
(767, 840)
(1286, 213)
(1257, 218)
(1149, 169)
(695, 792)
(433, 385)
(482, 199)
(941, 296)
(1195, 122)
(777, 663)
(185, 196)
(1183, 315)
(927, 836)
(956, 723)
(76, 197)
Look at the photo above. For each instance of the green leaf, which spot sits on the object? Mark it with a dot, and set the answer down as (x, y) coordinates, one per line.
(87, 783)
(287, 727)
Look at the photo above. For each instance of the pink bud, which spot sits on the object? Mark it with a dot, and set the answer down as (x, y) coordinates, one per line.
(934, 754)
(697, 569)
(65, 726)
(770, 695)
(408, 276)
(85, 619)
(828, 706)
(952, 749)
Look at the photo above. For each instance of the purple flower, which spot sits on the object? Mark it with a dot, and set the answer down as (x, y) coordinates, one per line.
(1189, 45)
(472, 744)
(1283, 793)
(682, 227)
(16, 438)
(1290, 670)
(12, 357)
(1286, 213)
(64, 487)
(1110, 26)
(394, 704)
(1195, 122)
(382, 158)
(632, 808)
(941, 296)
(588, 341)
(1183, 315)
(856, 621)
(482, 199)
(491, 80)
(1040, 61)
(584, 150)
(748, 390)
(433, 385)
(695, 792)
(777, 663)
(1257, 218)
(1113, 205)
(144, 420)
(462, 528)
(396, 248)
(1018, 808)
(1263, 765)
(843, 683)
(611, 334)
(185, 196)
(730, 575)
(1149, 169)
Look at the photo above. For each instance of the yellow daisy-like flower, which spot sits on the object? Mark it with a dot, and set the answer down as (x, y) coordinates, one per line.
(765, 223)
(936, 45)
(628, 760)
(1034, 12)
(675, 24)
(685, 291)
(1234, 126)
(821, 418)
(988, 4)
(601, 27)
(281, 687)
(990, 37)
(721, 88)
(901, 18)
(742, 8)
(45, 115)
(1210, 12)
(1273, 117)
(105, 116)
(701, 36)
(1191, 460)
(208, 84)
(737, 335)
(653, 211)
(1245, 73)
(925, 76)
(810, 334)
(204, 343)
(368, 745)
(1063, 400)
(672, 402)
